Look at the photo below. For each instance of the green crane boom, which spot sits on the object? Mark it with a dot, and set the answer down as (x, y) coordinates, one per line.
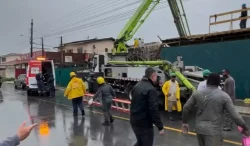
(134, 23)
(178, 13)
(141, 14)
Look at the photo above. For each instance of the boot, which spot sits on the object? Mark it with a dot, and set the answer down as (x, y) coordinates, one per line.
(111, 119)
(106, 123)
(83, 112)
(180, 115)
(171, 116)
(75, 114)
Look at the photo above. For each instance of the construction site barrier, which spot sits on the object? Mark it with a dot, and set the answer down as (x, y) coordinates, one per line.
(117, 104)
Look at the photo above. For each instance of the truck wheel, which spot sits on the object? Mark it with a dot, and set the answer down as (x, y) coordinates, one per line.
(129, 91)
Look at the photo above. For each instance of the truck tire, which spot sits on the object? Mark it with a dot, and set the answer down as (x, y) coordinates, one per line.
(129, 91)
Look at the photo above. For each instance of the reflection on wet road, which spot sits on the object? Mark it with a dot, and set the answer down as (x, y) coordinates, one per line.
(57, 127)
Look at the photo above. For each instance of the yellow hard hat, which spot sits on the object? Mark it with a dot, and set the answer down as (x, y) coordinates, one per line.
(100, 80)
(72, 74)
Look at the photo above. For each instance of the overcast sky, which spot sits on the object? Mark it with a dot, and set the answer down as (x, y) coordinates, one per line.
(97, 18)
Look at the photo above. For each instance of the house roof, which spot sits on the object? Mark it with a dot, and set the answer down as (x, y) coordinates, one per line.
(10, 54)
(10, 63)
(89, 41)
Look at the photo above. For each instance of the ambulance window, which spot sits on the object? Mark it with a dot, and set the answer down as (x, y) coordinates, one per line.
(34, 70)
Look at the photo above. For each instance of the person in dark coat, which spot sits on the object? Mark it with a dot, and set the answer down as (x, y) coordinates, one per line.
(1, 80)
(144, 109)
(40, 83)
(107, 94)
(229, 88)
(243, 22)
(51, 86)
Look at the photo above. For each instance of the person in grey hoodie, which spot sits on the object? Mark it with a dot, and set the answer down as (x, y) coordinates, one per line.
(211, 105)
(107, 94)
(229, 88)
(22, 133)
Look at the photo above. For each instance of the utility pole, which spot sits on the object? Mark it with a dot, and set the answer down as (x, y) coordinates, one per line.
(31, 39)
(42, 48)
(61, 50)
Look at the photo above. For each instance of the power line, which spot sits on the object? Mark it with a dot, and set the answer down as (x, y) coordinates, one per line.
(90, 17)
(74, 14)
(68, 15)
(120, 16)
(125, 18)
(43, 44)
(92, 10)
(103, 22)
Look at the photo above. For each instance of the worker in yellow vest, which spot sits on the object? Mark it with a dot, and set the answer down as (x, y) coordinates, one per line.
(75, 92)
(171, 91)
(136, 43)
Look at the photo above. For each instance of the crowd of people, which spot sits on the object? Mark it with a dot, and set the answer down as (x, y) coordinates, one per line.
(212, 103)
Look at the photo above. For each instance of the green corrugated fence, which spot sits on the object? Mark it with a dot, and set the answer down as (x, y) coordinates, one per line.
(62, 76)
(233, 55)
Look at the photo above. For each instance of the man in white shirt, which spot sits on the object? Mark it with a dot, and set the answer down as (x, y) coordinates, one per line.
(203, 84)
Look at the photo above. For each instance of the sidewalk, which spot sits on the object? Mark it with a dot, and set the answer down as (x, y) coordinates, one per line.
(240, 106)
(9, 82)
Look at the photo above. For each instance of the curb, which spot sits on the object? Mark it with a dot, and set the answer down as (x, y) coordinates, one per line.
(9, 82)
(243, 110)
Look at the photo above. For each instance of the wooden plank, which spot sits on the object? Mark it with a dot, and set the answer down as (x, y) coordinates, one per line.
(199, 36)
(229, 20)
(230, 12)
(218, 33)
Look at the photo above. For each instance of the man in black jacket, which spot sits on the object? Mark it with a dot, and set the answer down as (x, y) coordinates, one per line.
(144, 109)
(243, 22)
(40, 83)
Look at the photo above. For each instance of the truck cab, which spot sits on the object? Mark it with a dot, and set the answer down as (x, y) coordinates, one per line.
(43, 65)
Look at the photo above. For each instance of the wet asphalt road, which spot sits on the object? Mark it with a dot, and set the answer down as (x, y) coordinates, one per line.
(58, 127)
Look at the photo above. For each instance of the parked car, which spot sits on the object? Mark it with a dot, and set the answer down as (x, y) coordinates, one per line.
(20, 81)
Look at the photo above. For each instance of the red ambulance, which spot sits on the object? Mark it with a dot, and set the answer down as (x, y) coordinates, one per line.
(46, 66)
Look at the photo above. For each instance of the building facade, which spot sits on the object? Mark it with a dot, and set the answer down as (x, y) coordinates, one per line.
(10, 57)
(98, 46)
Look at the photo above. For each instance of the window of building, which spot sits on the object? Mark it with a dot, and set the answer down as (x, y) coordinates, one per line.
(3, 59)
(70, 51)
(79, 50)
